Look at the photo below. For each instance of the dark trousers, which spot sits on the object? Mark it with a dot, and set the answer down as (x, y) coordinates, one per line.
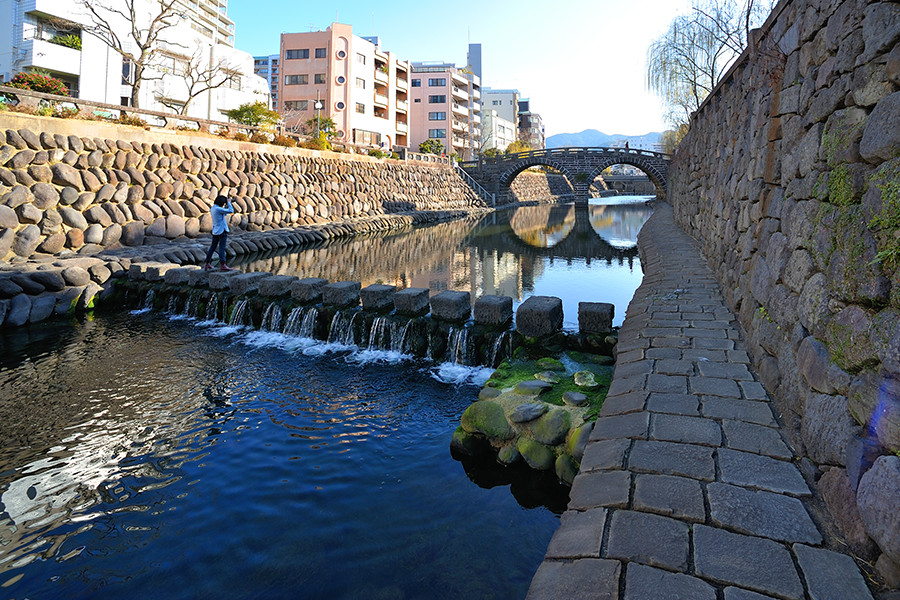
(220, 240)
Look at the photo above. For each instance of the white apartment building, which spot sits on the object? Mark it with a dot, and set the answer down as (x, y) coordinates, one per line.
(496, 132)
(505, 102)
(201, 41)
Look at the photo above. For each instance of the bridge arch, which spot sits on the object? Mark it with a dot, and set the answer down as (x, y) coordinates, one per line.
(580, 166)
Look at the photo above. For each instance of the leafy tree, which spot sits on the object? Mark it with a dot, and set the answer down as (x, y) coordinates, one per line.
(256, 114)
(431, 146)
(687, 62)
(39, 82)
(326, 127)
(138, 43)
(518, 146)
(491, 153)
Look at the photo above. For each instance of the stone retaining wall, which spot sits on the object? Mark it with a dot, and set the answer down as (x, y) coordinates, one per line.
(789, 179)
(531, 186)
(64, 191)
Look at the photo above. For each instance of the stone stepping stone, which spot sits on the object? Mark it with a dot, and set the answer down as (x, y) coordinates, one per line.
(532, 387)
(575, 399)
(548, 376)
(585, 379)
(530, 411)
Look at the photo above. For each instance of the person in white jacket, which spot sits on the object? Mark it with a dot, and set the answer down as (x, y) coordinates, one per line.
(220, 208)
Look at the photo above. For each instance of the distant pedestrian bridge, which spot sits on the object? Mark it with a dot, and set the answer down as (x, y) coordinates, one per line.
(580, 166)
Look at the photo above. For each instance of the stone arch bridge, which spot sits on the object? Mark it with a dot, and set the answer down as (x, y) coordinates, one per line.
(580, 166)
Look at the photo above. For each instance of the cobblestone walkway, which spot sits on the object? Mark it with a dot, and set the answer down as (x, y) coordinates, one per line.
(687, 489)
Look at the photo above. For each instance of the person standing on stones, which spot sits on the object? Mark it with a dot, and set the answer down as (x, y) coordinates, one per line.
(219, 210)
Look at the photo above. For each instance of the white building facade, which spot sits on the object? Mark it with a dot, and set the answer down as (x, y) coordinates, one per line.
(496, 132)
(199, 43)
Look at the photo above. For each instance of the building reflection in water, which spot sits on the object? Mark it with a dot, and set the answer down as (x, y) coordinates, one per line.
(504, 253)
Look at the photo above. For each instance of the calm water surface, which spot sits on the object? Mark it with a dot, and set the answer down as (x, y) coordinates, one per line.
(148, 456)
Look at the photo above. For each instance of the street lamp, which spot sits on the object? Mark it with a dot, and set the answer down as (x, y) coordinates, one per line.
(318, 107)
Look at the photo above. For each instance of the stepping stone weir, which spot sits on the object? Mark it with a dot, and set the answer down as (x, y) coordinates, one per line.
(687, 488)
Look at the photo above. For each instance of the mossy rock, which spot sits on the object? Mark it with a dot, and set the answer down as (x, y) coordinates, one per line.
(467, 443)
(552, 428)
(547, 376)
(579, 439)
(566, 468)
(550, 364)
(537, 455)
(508, 455)
(487, 417)
(585, 379)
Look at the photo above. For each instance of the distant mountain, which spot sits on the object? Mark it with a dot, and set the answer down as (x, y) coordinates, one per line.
(592, 137)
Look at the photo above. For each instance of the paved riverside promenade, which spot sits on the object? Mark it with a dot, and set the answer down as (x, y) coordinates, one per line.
(687, 489)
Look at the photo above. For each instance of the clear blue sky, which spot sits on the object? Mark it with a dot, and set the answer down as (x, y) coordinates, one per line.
(582, 62)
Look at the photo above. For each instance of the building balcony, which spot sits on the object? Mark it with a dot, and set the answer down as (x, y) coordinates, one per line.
(51, 57)
(381, 76)
(380, 55)
(381, 100)
(460, 109)
(402, 106)
(459, 126)
(460, 94)
(402, 127)
(402, 84)
(476, 94)
(476, 106)
(459, 78)
(476, 118)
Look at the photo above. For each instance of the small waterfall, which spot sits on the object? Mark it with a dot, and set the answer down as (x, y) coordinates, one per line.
(212, 308)
(192, 303)
(173, 304)
(399, 336)
(500, 349)
(301, 322)
(341, 329)
(271, 320)
(239, 314)
(380, 334)
(148, 299)
(458, 346)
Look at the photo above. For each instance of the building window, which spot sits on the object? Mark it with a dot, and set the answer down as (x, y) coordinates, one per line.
(296, 79)
(321, 52)
(437, 82)
(296, 105)
(360, 83)
(319, 78)
(290, 54)
(417, 83)
(361, 58)
(437, 99)
(495, 102)
(437, 133)
(341, 54)
(339, 105)
(437, 116)
(361, 108)
(417, 100)
(340, 79)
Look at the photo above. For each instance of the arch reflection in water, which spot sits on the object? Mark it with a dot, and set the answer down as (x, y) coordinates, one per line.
(518, 252)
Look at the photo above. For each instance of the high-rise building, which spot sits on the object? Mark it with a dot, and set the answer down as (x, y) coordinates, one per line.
(267, 68)
(473, 58)
(446, 107)
(361, 87)
(53, 36)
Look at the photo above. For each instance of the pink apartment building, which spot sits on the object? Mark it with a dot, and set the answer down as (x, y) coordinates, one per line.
(361, 87)
(446, 106)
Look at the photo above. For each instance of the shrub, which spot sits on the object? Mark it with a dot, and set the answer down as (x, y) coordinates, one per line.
(377, 153)
(65, 112)
(70, 40)
(259, 138)
(126, 119)
(240, 136)
(222, 132)
(185, 128)
(315, 144)
(283, 140)
(38, 82)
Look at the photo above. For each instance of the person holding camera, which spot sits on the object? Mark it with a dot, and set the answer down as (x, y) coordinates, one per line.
(219, 211)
